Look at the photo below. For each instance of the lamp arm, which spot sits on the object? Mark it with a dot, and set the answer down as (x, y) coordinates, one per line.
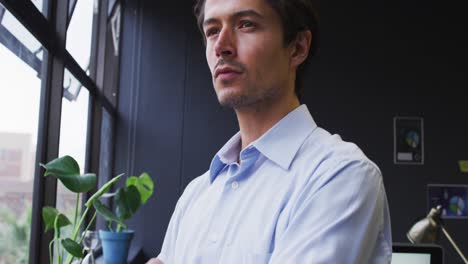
(454, 244)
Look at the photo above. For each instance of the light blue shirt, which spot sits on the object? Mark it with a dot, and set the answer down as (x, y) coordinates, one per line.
(298, 195)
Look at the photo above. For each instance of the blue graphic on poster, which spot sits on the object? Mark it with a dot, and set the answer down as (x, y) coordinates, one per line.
(412, 139)
(408, 140)
(452, 198)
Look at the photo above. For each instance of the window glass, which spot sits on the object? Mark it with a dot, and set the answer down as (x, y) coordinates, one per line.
(79, 32)
(40, 5)
(20, 89)
(18, 39)
(73, 132)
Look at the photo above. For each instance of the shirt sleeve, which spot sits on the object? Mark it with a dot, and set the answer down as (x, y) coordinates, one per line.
(339, 222)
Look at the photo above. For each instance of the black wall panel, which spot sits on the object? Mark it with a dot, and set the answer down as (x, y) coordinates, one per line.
(376, 60)
(151, 108)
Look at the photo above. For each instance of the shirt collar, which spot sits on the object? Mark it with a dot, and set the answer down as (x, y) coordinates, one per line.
(228, 154)
(279, 144)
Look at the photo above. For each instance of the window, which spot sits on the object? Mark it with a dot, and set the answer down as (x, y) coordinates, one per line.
(20, 86)
(40, 4)
(73, 129)
(80, 31)
(37, 86)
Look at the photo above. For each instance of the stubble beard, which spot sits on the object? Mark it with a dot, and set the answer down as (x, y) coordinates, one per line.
(248, 98)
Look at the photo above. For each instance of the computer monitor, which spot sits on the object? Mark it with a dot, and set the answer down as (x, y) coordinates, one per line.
(417, 254)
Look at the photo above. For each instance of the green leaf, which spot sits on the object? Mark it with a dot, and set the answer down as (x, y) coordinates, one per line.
(66, 169)
(144, 185)
(49, 214)
(127, 202)
(73, 248)
(79, 183)
(102, 190)
(65, 165)
(106, 213)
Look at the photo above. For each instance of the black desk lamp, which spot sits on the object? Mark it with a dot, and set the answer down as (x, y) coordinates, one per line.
(427, 230)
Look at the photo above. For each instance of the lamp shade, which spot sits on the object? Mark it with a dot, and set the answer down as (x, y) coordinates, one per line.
(426, 230)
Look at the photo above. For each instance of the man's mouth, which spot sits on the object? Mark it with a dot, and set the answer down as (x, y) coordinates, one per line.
(226, 72)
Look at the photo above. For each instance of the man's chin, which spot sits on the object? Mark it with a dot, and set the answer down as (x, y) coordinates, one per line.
(234, 101)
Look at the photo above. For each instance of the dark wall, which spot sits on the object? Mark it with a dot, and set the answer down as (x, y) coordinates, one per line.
(376, 61)
(380, 60)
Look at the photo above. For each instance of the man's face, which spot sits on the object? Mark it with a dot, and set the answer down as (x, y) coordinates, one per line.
(245, 51)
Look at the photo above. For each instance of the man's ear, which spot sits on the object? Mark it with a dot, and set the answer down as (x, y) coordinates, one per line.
(300, 48)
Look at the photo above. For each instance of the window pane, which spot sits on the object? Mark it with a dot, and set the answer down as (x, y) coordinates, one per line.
(80, 31)
(20, 87)
(73, 129)
(15, 37)
(74, 123)
(40, 5)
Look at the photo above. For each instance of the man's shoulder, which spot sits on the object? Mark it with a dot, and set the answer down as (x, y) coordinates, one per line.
(325, 153)
(192, 191)
(196, 184)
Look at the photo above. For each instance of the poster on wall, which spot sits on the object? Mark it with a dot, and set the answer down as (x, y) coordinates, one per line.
(453, 199)
(408, 140)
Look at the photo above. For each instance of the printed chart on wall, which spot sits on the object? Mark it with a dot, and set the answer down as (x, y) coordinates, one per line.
(408, 140)
(453, 199)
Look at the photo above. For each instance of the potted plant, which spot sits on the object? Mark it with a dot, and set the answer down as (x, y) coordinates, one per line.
(66, 170)
(127, 200)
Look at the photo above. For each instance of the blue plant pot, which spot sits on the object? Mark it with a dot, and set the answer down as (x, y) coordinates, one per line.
(115, 246)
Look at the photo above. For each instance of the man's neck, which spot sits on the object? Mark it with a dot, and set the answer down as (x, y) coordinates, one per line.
(257, 119)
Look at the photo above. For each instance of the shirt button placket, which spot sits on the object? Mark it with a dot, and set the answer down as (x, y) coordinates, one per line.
(235, 185)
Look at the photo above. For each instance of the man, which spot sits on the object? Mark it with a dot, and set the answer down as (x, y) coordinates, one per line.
(282, 190)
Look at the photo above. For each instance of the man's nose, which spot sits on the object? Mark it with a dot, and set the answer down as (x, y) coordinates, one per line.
(225, 46)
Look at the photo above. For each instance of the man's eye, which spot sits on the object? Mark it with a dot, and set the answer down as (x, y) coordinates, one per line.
(211, 32)
(246, 24)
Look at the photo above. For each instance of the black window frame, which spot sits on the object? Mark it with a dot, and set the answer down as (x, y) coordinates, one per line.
(50, 29)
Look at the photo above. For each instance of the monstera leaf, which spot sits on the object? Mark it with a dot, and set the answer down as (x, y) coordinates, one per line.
(144, 185)
(67, 170)
(106, 212)
(127, 202)
(127, 199)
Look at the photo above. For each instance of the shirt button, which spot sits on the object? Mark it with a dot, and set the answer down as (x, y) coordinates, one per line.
(235, 185)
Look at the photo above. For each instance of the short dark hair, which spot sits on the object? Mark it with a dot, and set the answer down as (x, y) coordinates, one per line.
(296, 16)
